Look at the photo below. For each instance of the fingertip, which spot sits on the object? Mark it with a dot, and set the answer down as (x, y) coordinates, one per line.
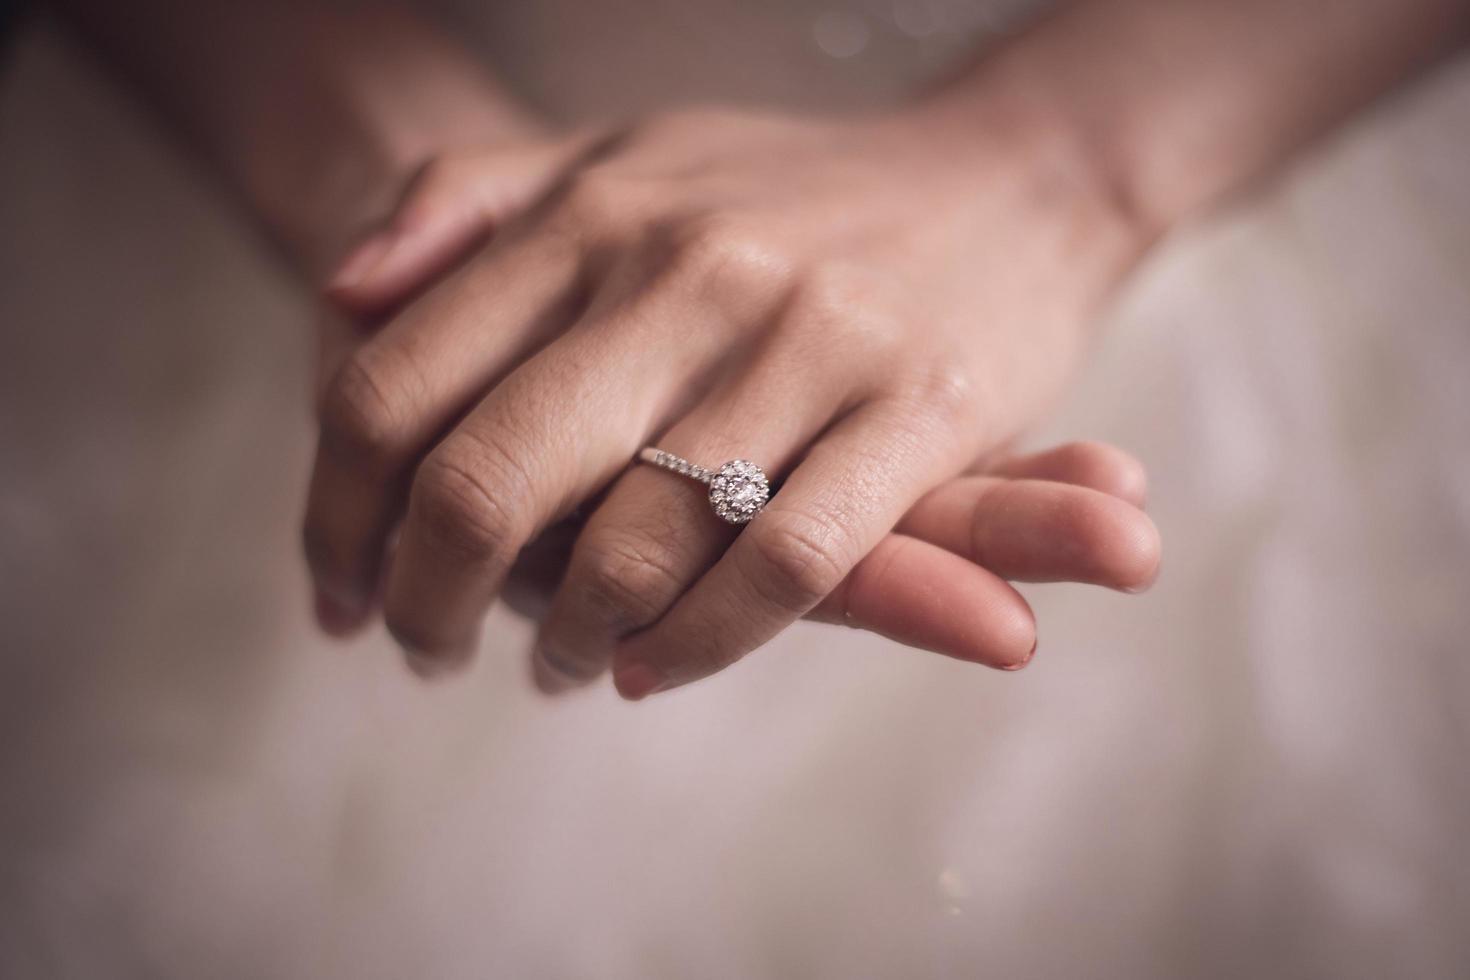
(1108, 469)
(1127, 547)
(550, 679)
(1012, 638)
(428, 666)
(635, 680)
(1023, 661)
(923, 596)
(545, 678)
(430, 661)
(338, 617)
(358, 267)
(1071, 533)
(1148, 564)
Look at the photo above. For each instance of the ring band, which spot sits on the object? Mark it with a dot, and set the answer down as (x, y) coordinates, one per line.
(737, 490)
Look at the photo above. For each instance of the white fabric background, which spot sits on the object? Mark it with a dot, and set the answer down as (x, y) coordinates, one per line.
(1257, 769)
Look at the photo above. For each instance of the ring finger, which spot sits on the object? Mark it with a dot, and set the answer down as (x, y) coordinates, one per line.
(853, 486)
(656, 534)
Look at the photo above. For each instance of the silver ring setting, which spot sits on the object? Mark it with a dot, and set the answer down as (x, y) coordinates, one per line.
(737, 490)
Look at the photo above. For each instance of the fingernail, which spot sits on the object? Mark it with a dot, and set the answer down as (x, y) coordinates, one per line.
(548, 677)
(637, 681)
(1152, 580)
(1025, 660)
(361, 262)
(336, 616)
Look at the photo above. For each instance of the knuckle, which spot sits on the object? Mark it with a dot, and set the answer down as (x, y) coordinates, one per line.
(458, 500)
(359, 415)
(722, 253)
(630, 582)
(944, 394)
(836, 298)
(947, 390)
(798, 563)
(828, 291)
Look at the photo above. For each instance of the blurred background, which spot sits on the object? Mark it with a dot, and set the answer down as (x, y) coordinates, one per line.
(1257, 769)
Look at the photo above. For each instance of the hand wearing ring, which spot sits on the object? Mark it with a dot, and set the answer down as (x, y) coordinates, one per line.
(816, 297)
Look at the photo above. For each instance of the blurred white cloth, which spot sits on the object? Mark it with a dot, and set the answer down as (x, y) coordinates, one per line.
(1259, 769)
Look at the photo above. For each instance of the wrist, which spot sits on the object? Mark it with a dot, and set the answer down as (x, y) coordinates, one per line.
(999, 126)
(1170, 108)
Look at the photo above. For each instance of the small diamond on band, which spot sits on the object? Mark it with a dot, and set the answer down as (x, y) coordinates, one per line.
(737, 491)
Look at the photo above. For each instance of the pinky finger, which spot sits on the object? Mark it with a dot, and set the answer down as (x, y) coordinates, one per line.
(923, 596)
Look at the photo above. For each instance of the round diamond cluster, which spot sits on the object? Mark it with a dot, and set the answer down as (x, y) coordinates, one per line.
(738, 491)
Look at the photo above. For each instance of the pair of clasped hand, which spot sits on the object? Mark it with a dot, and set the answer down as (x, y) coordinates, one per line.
(870, 309)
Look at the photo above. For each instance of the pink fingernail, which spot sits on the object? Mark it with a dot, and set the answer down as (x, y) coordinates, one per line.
(360, 262)
(637, 681)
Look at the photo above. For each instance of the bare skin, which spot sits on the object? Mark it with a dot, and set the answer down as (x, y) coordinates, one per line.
(870, 307)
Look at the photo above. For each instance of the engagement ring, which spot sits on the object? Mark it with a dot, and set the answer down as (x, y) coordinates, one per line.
(737, 491)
